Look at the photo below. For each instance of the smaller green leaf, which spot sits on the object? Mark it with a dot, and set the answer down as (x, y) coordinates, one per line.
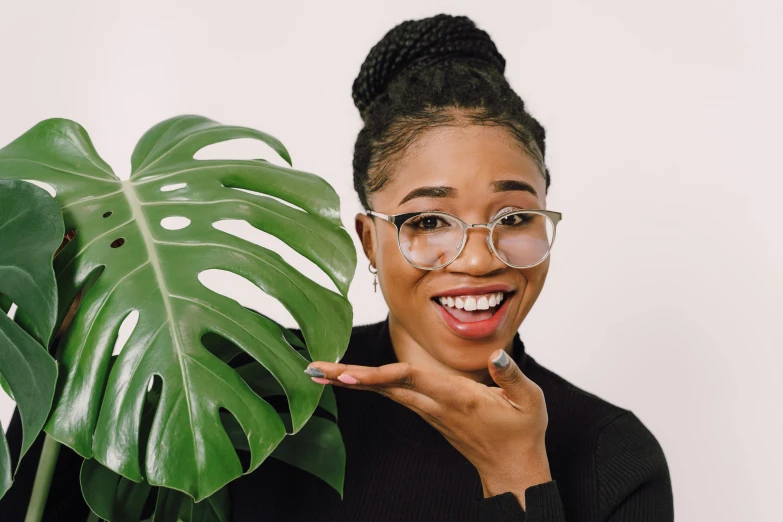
(111, 496)
(115, 498)
(317, 448)
(175, 506)
(31, 230)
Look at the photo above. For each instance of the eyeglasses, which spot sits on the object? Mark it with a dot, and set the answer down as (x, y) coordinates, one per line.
(432, 240)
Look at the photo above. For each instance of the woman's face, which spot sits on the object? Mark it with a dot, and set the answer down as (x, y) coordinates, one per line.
(475, 173)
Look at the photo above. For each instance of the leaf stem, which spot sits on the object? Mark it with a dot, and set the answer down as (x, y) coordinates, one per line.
(43, 479)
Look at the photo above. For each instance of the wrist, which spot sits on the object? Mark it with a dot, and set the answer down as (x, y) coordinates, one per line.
(517, 478)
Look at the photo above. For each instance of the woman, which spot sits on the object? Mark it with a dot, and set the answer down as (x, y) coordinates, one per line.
(462, 424)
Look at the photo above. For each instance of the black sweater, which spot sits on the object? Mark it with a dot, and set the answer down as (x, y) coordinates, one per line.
(605, 464)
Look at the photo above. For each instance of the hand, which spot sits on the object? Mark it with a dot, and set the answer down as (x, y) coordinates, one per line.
(499, 430)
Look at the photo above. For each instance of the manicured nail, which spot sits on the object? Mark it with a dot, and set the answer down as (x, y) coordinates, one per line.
(347, 379)
(314, 372)
(321, 381)
(501, 361)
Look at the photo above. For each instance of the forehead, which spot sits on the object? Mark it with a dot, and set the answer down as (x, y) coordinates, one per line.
(468, 158)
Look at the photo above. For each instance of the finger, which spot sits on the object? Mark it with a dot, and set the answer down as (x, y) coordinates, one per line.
(439, 387)
(507, 374)
(418, 402)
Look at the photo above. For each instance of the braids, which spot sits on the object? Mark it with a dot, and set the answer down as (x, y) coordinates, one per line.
(438, 71)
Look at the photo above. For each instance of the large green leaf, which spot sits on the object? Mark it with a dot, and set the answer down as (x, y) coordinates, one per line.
(133, 263)
(317, 448)
(31, 229)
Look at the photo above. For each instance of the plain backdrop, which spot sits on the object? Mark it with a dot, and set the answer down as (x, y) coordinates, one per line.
(665, 292)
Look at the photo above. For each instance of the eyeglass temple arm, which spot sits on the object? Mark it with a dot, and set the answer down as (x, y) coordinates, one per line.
(380, 215)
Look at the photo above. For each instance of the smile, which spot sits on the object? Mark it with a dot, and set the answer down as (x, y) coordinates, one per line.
(473, 314)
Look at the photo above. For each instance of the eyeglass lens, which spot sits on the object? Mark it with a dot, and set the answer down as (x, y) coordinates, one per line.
(432, 240)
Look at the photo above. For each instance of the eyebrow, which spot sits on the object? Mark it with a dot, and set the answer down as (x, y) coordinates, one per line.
(505, 185)
(430, 192)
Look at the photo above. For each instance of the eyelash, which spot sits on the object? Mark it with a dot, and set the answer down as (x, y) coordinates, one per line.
(506, 210)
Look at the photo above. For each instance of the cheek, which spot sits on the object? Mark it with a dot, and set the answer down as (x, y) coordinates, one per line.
(533, 281)
(397, 277)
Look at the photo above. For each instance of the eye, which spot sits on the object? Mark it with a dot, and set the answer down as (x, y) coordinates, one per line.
(427, 222)
(516, 220)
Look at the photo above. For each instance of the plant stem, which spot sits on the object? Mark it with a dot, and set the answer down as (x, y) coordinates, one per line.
(43, 479)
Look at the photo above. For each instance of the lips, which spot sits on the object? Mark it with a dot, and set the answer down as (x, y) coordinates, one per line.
(474, 312)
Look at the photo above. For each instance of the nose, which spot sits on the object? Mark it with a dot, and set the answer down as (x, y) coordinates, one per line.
(476, 257)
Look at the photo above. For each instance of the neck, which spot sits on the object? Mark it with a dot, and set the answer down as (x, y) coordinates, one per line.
(407, 349)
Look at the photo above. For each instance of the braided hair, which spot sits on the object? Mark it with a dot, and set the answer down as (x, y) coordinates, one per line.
(437, 71)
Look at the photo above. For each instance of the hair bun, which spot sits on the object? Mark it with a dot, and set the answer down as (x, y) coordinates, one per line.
(417, 44)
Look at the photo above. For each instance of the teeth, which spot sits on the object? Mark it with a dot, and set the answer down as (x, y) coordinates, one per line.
(470, 303)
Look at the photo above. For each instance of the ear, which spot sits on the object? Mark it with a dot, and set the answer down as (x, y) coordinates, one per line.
(365, 229)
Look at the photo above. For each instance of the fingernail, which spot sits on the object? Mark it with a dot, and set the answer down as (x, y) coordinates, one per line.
(321, 381)
(501, 361)
(347, 379)
(314, 372)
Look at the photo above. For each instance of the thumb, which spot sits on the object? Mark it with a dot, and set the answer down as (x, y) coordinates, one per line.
(509, 377)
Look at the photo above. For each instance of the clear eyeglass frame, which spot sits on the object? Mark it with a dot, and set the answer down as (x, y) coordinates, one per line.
(398, 219)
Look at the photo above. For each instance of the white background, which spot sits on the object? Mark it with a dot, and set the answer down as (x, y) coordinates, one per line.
(665, 292)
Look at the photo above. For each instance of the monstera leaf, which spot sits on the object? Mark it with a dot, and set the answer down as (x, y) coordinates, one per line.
(317, 448)
(31, 229)
(124, 260)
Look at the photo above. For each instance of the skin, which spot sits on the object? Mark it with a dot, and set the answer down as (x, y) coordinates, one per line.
(441, 375)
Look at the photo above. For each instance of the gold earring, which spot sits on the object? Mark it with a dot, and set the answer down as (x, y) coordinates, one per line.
(374, 278)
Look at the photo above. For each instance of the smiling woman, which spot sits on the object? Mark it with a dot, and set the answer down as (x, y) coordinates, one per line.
(444, 415)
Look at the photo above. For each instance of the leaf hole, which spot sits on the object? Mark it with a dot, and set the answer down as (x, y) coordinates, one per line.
(76, 303)
(107, 214)
(175, 186)
(240, 149)
(246, 293)
(174, 222)
(244, 230)
(47, 187)
(237, 436)
(125, 331)
(222, 348)
(150, 408)
(117, 243)
(12, 311)
(256, 193)
(67, 238)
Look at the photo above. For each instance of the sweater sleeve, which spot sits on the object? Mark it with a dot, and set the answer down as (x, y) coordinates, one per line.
(542, 501)
(630, 482)
(632, 477)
